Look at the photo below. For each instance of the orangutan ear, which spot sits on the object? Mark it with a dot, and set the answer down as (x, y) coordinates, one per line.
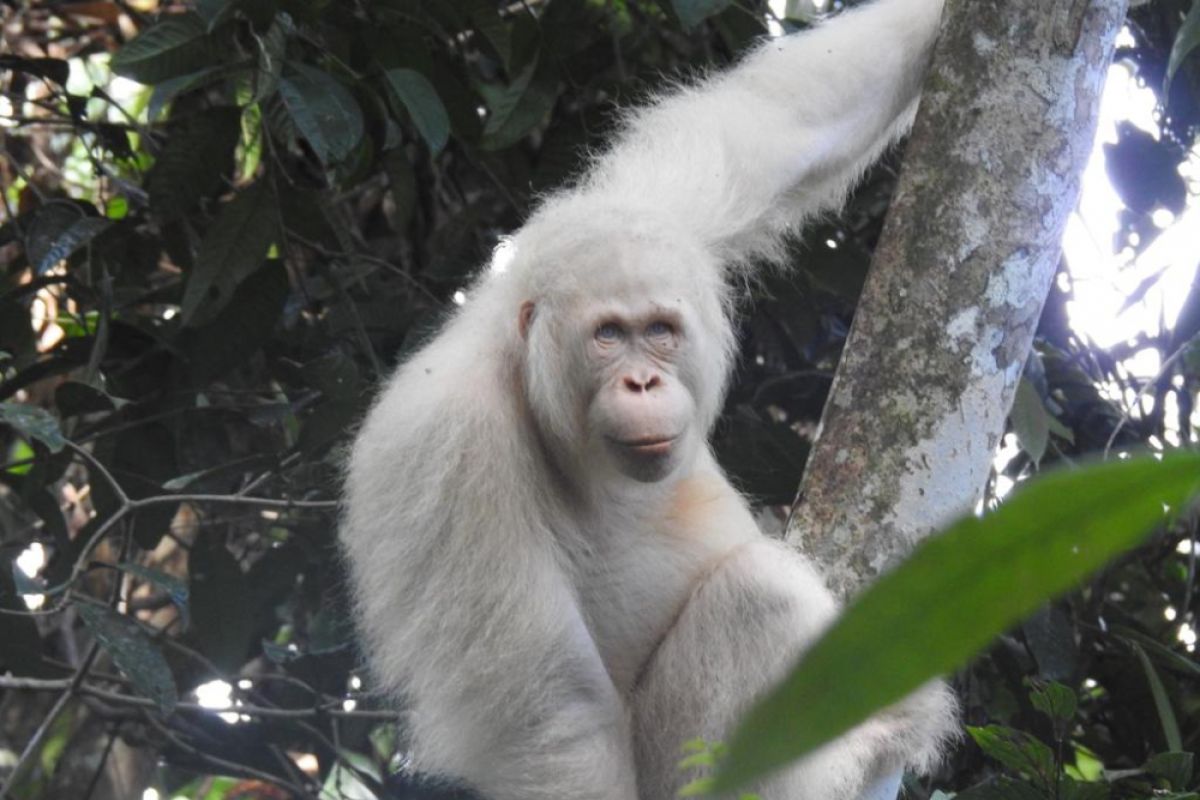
(525, 318)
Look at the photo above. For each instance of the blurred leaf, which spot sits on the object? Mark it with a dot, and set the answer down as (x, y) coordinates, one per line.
(344, 783)
(74, 398)
(279, 653)
(195, 162)
(223, 614)
(174, 588)
(24, 583)
(272, 47)
(403, 183)
(1186, 42)
(1162, 702)
(1161, 653)
(1051, 637)
(1030, 421)
(693, 12)
(53, 69)
(176, 45)
(416, 94)
(33, 423)
(1175, 768)
(241, 328)
(133, 653)
(901, 631)
(166, 91)
(486, 20)
(58, 230)
(1070, 789)
(323, 110)
(518, 108)
(234, 247)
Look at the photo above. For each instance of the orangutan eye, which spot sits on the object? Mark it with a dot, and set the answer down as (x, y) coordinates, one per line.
(660, 329)
(609, 332)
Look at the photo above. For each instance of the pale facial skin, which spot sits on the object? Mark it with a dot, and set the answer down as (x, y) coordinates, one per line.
(637, 405)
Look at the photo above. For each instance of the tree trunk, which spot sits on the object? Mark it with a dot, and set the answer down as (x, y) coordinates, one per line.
(969, 249)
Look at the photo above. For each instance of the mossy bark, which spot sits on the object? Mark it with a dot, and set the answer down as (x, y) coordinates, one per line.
(969, 249)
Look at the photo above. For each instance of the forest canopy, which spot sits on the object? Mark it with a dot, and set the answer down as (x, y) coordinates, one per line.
(223, 222)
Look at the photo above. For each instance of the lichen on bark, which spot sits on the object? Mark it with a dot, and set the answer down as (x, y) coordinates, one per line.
(968, 252)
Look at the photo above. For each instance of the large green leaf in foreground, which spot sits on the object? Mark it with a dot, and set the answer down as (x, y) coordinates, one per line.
(955, 593)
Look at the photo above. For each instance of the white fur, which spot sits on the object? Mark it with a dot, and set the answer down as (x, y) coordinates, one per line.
(556, 630)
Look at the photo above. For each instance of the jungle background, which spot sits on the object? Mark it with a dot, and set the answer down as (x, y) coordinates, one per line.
(224, 221)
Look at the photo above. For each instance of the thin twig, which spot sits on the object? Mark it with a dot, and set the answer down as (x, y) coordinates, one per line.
(262, 712)
(1166, 367)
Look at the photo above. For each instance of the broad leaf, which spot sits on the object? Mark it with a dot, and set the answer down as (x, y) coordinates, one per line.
(411, 89)
(1056, 701)
(48, 225)
(33, 423)
(904, 629)
(693, 12)
(133, 653)
(175, 45)
(1030, 421)
(65, 242)
(1162, 702)
(521, 106)
(323, 111)
(1017, 750)
(168, 90)
(1175, 768)
(1186, 42)
(195, 162)
(233, 248)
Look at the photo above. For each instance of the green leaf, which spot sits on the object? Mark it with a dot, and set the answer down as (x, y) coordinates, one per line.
(1175, 768)
(403, 184)
(692, 12)
(133, 653)
(323, 111)
(195, 162)
(1186, 41)
(1017, 750)
(902, 631)
(1162, 702)
(57, 230)
(234, 247)
(33, 423)
(1164, 655)
(518, 108)
(176, 45)
(1056, 701)
(1030, 421)
(272, 47)
(82, 231)
(412, 90)
(168, 90)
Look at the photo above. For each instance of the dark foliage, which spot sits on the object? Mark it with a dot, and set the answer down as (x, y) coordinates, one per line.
(202, 282)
